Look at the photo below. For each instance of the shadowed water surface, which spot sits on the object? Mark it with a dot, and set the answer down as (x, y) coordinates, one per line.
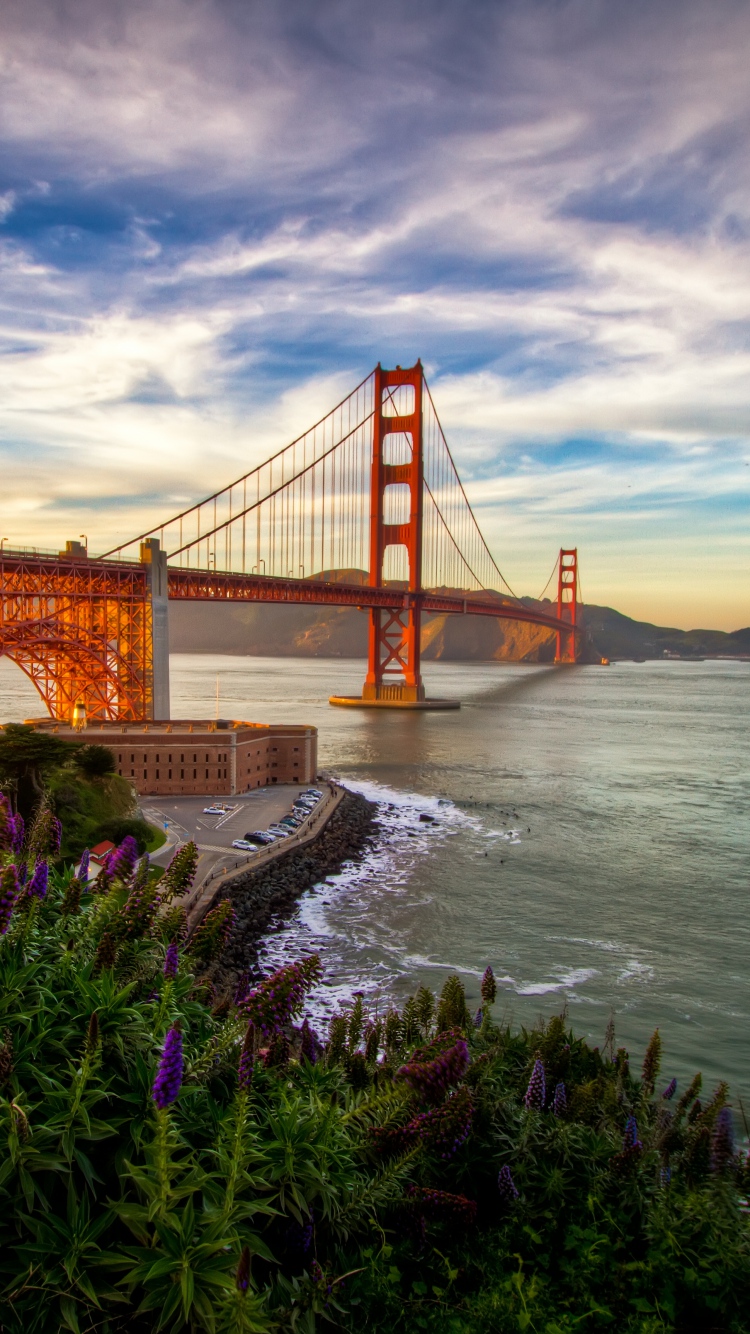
(591, 839)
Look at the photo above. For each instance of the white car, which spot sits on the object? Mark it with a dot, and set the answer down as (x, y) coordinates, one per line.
(243, 845)
(214, 810)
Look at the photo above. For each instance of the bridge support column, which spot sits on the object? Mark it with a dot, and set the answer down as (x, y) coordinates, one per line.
(157, 690)
(393, 676)
(567, 605)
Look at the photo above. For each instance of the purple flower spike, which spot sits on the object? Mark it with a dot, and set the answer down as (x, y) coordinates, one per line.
(39, 881)
(560, 1100)
(506, 1185)
(670, 1090)
(169, 1075)
(247, 1060)
(9, 890)
(55, 836)
(17, 836)
(309, 1045)
(722, 1142)
(536, 1093)
(171, 960)
(630, 1139)
(7, 823)
(124, 860)
(478, 1017)
(83, 869)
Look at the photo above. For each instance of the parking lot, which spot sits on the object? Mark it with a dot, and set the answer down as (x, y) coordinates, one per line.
(183, 818)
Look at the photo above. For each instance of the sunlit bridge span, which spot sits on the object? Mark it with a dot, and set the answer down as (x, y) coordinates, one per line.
(366, 509)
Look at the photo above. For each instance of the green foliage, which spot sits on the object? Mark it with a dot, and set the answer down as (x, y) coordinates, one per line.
(115, 829)
(315, 1191)
(95, 761)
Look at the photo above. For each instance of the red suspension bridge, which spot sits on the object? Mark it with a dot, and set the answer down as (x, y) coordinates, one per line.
(366, 509)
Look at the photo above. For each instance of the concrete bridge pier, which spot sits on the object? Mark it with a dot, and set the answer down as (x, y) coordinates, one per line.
(155, 561)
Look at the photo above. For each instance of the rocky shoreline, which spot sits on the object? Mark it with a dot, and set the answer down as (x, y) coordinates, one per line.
(269, 894)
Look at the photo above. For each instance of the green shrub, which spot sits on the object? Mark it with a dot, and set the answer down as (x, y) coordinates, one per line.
(116, 829)
(182, 1158)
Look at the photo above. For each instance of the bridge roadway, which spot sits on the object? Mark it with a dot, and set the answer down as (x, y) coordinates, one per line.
(35, 575)
(210, 586)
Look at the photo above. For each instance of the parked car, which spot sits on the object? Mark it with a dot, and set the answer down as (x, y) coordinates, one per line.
(259, 836)
(312, 792)
(279, 830)
(214, 810)
(244, 845)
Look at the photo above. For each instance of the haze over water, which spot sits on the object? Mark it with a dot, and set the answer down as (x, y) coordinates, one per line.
(592, 840)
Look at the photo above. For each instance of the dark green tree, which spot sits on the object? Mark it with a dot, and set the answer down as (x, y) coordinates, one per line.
(95, 761)
(26, 757)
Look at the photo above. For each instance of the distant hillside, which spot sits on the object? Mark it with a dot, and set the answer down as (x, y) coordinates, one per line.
(275, 630)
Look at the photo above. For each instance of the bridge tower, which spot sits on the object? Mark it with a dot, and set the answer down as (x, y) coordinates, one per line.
(393, 668)
(567, 605)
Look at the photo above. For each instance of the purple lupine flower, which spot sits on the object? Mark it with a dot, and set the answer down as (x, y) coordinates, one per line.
(7, 823)
(536, 1094)
(478, 1017)
(9, 891)
(309, 1045)
(243, 1270)
(242, 988)
(488, 987)
(279, 997)
(630, 1139)
(247, 1060)
(39, 881)
(722, 1142)
(560, 1100)
(432, 1079)
(442, 1129)
(665, 1176)
(169, 1075)
(17, 836)
(83, 869)
(23, 874)
(124, 860)
(171, 960)
(506, 1185)
(670, 1090)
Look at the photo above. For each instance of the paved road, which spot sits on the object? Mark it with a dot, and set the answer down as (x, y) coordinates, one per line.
(213, 834)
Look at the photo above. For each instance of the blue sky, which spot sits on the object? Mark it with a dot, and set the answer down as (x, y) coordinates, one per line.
(218, 216)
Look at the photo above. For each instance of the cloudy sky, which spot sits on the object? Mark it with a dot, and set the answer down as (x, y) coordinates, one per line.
(218, 215)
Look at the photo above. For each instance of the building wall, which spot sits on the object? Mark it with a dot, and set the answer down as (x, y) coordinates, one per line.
(220, 759)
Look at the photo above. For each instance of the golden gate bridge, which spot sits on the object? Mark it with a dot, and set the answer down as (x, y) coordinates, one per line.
(366, 510)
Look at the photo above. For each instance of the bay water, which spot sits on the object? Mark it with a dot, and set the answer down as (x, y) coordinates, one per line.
(590, 840)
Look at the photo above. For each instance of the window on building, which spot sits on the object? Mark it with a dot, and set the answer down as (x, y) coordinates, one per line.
(132, 757)
(296, 748)
(182, 759)
(170, 773)
(194, 758)
(132, 773)
(119, 758)
(157, 759)
(206, 773)
(295, 765)
(182, 773)
(170, 761)
(145, 773)
(195, 773)
(157, 773)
